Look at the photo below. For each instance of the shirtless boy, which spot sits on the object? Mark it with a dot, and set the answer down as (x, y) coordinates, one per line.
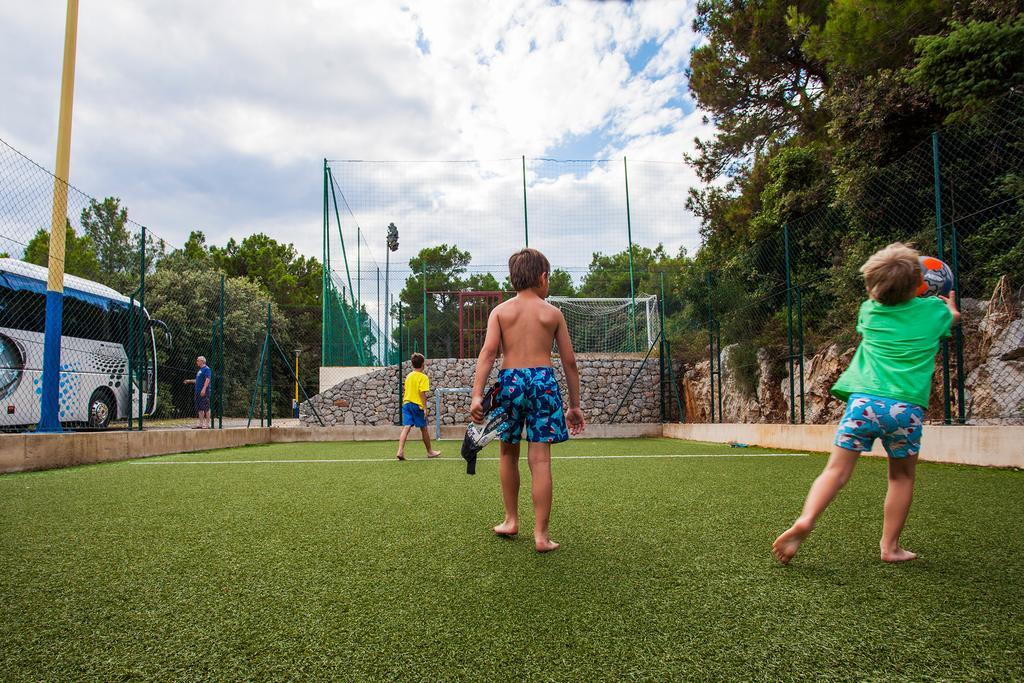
(524, 329)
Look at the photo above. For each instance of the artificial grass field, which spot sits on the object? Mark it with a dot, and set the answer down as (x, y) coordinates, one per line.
(388, 570)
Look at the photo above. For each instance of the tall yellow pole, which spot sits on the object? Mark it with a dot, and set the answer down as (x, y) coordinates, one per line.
(49, 401)
(55, 280)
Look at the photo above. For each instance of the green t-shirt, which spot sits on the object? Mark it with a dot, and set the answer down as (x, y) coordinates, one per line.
(896, 356)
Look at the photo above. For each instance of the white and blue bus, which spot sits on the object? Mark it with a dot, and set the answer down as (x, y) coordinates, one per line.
(95, 386)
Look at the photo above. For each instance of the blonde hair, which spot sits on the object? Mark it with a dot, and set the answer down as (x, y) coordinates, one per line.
(525, 268)
(892, 275)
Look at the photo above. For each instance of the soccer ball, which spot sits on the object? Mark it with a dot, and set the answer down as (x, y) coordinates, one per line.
(936, 277)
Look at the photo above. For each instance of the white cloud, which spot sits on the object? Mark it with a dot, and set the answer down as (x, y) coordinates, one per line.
(216, 115)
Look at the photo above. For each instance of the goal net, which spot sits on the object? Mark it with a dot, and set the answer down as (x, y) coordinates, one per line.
(613, 325)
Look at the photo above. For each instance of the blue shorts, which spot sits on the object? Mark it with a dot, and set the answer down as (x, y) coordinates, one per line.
(413, 416)
(530, 397)
(897, 423)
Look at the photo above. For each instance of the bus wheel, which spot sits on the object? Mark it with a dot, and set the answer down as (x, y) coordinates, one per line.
(101, 409)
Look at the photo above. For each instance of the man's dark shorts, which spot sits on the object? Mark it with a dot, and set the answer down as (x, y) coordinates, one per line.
(202, 403)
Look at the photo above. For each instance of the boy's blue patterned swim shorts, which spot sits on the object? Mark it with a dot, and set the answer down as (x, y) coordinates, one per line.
(897, 423)
(531, 397)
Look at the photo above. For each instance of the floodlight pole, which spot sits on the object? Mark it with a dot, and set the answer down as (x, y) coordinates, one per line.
(49, 405)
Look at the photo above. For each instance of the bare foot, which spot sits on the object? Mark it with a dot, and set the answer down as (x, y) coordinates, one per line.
(898, 555)
(507, 528)
(434, 454)
(789, 541)
(400, 456)
(546, 545)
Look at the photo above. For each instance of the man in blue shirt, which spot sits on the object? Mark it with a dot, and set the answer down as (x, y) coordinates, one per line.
(203, 380)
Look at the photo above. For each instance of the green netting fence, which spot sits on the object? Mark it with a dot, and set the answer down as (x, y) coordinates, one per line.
(753, 330)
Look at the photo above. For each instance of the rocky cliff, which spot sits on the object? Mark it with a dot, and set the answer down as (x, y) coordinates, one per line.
(993, 368)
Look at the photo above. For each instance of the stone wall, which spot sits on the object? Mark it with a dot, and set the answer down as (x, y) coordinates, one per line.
(993, 354)
(372, 399)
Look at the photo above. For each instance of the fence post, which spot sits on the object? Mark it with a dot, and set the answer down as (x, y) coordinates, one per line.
(718, 363)
(958, 333)
(130, 352)
(49, 406)
(661, 350)
(937, 184)
(267, 375)
(223, 363)
(711, 347)
(398, 366)
(629, 235)
(359, 282)
(143, 366)
(211, 364)
(800, 356)
(526, 217)
(424, 310)
(789, 323)
(380, 328)
(324, 322)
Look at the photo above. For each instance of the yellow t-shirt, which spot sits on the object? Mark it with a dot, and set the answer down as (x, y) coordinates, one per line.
(414, 384)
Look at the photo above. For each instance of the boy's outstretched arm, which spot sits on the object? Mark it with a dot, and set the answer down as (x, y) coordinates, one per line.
(951, 304)
(574, 416)
(484, 363)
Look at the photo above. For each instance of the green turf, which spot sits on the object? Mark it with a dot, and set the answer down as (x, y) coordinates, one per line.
(387, 570)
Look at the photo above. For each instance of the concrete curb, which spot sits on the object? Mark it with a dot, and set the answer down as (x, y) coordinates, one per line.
(989, 446)
(967, 445)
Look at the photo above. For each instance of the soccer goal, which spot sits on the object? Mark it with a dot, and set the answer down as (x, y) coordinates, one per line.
(610, 325)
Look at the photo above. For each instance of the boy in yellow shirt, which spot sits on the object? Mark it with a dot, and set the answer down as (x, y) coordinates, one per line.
(414, 407)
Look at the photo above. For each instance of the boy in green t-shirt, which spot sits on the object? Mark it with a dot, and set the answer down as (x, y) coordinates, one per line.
(886, 389)
(414, 407)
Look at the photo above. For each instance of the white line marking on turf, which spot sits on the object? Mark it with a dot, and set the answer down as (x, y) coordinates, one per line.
(395, 460)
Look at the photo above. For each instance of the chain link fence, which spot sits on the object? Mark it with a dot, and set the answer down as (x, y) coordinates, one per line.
(756, 333)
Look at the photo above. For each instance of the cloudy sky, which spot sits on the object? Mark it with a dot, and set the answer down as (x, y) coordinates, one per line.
(218, 115)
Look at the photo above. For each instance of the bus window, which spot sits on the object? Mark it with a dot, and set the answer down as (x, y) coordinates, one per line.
(22, 310)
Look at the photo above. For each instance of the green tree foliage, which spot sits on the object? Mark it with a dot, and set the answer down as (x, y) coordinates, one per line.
(188, 301)
(442, 271)
(117, 248)
(560, 283)
(755, 79)
(608, 275)
(274, 273)
(971, 64)
(815, 103)
(79, 253)
(278, 267)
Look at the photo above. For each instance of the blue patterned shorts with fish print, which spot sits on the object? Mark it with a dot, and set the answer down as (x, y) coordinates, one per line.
(531, 398)
(897, 423)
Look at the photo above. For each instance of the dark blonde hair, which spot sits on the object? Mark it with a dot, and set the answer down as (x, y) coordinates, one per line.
(525, 268)
(892, 275)
(417, 360)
